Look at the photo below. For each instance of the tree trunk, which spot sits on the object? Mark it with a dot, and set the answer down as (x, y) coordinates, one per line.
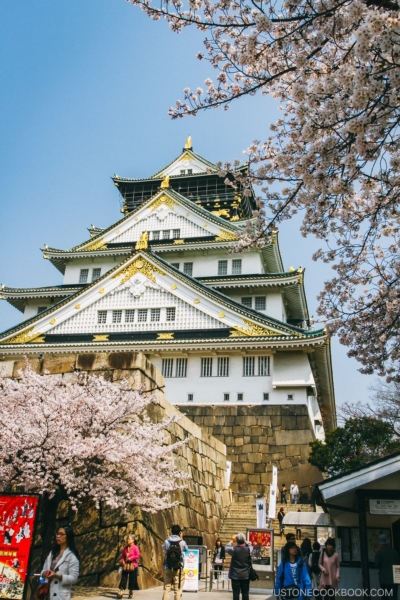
(47, 521)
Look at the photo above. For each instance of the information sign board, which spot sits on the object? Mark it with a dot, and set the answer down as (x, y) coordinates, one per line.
(259, 538)
(396, 573)
(17, 521)
(384, 507)
(191, 571)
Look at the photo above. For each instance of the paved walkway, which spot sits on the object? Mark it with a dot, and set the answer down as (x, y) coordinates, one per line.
(156, 594)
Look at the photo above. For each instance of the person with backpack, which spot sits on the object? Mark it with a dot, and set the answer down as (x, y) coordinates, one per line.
(313, 563)
(174, 578)
(292, 579)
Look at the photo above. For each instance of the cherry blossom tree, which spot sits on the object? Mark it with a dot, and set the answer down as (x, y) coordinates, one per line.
(334, 155)
(85, 438)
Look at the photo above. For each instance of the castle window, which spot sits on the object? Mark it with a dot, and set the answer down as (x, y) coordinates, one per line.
(182, 171)
(226, 397)
(206, 367)
(264, 366)
(237, 266)
(265, 396)
(142, 315)
(222, 267)
(156, 235)
(83, 275)
(155, 314)
(290, 397)
(188, 268)
(260, 303)
(96, 274)
(190, 397)
(175, 265)
(170, 314)
(223, 366)
(116, 316)
(101, 317)
(167, 367)
(41, 309)
(129, 315)
(248, 302)
(181, 367)
(176, 233)
(248, 366)
(240, 397)
(165, 234)
(190, 171)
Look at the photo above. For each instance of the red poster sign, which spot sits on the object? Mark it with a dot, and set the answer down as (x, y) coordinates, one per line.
(17, 520)
(259, 538)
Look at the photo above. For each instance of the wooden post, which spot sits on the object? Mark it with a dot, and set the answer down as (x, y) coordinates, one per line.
(362, 521)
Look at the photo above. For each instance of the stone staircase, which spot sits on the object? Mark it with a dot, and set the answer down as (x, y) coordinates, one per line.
(243, 514)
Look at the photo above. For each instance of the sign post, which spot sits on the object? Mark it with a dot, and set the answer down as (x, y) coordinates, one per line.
(17, 524)
(191, 570)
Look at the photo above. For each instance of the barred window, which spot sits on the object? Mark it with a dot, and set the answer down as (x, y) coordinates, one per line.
(129, 315)
(223, 366)
(263, 366)
(41, 309)
(83, 275)
(176, 233)
(116, 316)
(190, 171)
(170, 314)
(206, 367)
(222, 267)
(156, 235)
(188, 268)
(226, 397)
(237, 266)
(290, 397)
(96, 274)
(248, 366)
(240, 397)
(155, 314)
(183, 171)
(142, 315)
(260, 303)
(248, 302)
(167, 367)
(190, 397)
(266, 396)
(165, 234)
(102, 316)
(175, 265)
(181, 367)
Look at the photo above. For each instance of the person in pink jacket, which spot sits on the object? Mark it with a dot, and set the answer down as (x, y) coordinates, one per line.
(329, 564)
(130, 563)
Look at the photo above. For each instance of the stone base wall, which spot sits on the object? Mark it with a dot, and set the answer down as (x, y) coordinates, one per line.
(100, 534)
(257, 437)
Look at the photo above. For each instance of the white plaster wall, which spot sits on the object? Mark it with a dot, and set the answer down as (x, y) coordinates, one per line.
(31, 309)
(292, 368)
(206, 264)
(274, 301)
(211, 390)
(72, 269)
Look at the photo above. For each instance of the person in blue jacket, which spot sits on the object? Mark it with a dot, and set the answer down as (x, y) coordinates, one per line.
(292, 579)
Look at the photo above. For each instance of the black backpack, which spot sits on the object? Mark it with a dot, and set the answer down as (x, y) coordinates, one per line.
(314, 563)
(174, 556)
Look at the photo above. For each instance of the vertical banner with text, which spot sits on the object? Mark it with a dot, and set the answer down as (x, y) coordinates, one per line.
(273, 490)
(17, 523)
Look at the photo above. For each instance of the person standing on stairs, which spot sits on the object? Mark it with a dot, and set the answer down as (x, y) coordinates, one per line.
(280, 516)
(294, 492)
(283, 494)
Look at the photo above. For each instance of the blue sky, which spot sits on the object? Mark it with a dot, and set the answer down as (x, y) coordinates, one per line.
(86, 87)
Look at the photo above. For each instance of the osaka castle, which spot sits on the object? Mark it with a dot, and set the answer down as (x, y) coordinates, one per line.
(223, 329)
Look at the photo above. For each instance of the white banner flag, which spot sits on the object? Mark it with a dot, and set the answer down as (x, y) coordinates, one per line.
(261, 512)
(273, 490)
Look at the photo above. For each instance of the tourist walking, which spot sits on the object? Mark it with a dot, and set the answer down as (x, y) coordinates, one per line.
(294, 492)
(61, 568)
(280, 516)
(292, 576)
(219, 557)
(280, 555)
(385, 558)
(313, 564)
(130, 567)
(306, 550)
(174, 577)
(298, 528)
(239, 570)
(329, 564)
(283, 494)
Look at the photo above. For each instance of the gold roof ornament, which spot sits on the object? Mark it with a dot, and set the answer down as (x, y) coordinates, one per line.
(165, 182)
(143, 242)
(188, 143)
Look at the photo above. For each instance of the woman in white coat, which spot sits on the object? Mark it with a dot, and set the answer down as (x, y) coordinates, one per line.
(61, 568)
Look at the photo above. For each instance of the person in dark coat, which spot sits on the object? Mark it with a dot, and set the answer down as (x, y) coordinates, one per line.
(239, 570)
(385, 558)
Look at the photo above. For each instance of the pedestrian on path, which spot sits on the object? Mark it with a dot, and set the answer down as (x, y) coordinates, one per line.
(298, 529)
(329, 564)
(313, 563)
(280, 516)
(280, 555)
(385, 558)
(294, 492)
(292, 578)
(239, 570)
(130, 567)
(174, 577)
(61, 568)
(218, 558)
(283, 494)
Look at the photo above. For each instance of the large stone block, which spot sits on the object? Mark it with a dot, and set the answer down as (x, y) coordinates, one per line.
(293, 437)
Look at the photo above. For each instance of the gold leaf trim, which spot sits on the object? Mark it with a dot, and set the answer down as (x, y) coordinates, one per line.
(77, 306)
(52, 321)
(140, 265)
(24, 337)
(100, 338)
(165, 336)
(221, 315)
(101, 291)
(163, 200)
(253, 330)
(223, 212)
(95, 246)
(174, 286)
(196, 301)
(225, 236)
(143, 241)
(179, 241)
